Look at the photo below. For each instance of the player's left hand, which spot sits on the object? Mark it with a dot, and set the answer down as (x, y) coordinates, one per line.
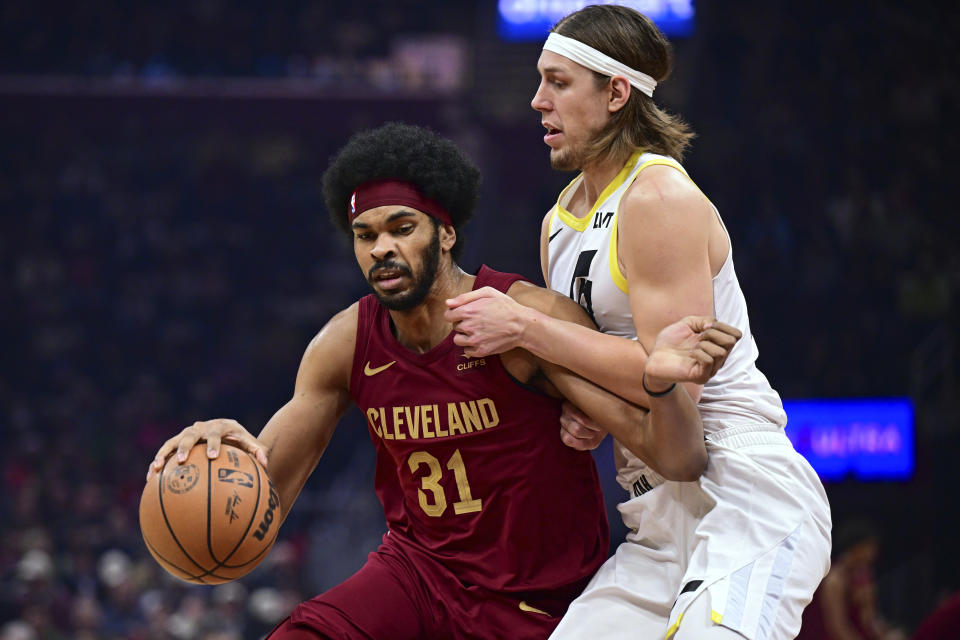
(578, 431)
(690, 350)
(486, 321)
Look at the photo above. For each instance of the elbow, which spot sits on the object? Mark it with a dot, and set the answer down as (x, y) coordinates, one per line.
(688, 468)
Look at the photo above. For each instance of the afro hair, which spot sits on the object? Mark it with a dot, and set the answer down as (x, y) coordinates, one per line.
(404, 152)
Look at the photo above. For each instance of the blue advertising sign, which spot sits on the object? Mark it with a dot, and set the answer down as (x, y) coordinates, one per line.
(871, 439)
(532, 19)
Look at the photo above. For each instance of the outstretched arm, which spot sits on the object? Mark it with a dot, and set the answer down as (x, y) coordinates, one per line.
(670, 437)
(291, 443)
(488, 321)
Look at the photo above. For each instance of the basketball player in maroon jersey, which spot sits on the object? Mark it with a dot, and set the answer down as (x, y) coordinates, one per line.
(494, 525)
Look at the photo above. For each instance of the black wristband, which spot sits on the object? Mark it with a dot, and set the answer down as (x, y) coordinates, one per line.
(655, 394)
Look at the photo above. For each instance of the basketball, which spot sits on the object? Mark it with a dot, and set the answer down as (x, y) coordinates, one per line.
(210, 521)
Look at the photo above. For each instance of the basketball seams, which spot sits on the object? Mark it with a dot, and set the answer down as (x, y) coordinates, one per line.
(276, 530)
(166, 521)
(253, 517)
(189, 576)
(164, 514)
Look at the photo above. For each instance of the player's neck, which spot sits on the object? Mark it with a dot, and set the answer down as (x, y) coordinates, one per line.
(424, 327)
(596, 177)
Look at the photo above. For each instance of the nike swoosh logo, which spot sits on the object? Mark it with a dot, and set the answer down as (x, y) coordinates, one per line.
(525, 607)
(550, 239)
(372, 372)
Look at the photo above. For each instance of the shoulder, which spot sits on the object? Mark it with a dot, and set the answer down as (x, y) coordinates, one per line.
(340, 329)
(329, 356)
(660, 189)
(664, 205)
(549, 302)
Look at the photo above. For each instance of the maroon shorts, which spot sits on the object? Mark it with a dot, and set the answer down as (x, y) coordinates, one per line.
(402, 594)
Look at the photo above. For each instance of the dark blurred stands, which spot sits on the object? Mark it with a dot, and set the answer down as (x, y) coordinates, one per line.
(166, 257)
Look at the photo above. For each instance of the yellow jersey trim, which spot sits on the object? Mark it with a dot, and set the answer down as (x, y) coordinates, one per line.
(715, 617)
(614, 263)
(572, 221)
(615, 274)
(673, 628)
(580, 224)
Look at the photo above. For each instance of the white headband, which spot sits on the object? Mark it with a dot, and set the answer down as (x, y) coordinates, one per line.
(600, 62)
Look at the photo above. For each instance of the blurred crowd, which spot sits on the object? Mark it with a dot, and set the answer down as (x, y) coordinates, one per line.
(146, 295)
(390, 45)
(826, 146)
(163, 264)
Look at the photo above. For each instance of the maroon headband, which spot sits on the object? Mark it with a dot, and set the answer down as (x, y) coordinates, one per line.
(389, 191)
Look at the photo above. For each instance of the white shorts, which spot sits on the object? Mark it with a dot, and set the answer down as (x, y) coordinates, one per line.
(753, 534)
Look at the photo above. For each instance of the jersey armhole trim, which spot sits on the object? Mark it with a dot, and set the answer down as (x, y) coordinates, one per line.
(615, 274)
(614, 263)
(676, 165)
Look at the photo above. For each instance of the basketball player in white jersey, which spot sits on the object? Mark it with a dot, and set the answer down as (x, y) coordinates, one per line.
(739, 552)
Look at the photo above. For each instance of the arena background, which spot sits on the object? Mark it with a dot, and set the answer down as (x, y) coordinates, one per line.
(166, 257)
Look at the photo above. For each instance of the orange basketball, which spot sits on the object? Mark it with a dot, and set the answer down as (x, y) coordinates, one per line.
(210, 521)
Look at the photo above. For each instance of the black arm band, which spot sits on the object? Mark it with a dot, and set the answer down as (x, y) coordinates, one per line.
(656, 394)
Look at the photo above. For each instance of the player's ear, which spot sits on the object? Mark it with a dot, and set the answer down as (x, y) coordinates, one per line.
(619, 93)
(448, 237)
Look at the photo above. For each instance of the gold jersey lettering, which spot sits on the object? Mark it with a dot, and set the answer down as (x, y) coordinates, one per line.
(464, 366)
(427, 419)
(397, 421)
(453, 419)
(471, 416)
(413, 422)
(387, 434)
(372, 415)
(488, 411)
(423, 410)
(432, 409)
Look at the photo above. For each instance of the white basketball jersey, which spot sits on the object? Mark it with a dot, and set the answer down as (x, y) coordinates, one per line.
(582, 264)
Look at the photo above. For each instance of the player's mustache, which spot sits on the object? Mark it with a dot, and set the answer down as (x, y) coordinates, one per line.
(391, 265)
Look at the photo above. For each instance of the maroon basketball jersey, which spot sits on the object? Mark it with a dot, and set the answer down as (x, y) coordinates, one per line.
(470, 466)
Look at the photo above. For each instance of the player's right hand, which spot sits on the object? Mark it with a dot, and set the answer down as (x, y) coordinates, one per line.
(690, 350)
(578, 431)
(213, 432)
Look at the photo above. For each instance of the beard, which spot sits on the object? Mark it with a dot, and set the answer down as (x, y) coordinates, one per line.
(568, 159)
(422, 280)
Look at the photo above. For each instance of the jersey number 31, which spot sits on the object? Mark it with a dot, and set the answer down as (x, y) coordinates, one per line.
(431, 483)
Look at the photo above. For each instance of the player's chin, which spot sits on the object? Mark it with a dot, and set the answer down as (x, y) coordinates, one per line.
(398, 300)
(561, 160)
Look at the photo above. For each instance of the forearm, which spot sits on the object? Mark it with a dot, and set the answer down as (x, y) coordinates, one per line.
(670, 440)
(295, 440)
(673, 432)
(612, 362)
